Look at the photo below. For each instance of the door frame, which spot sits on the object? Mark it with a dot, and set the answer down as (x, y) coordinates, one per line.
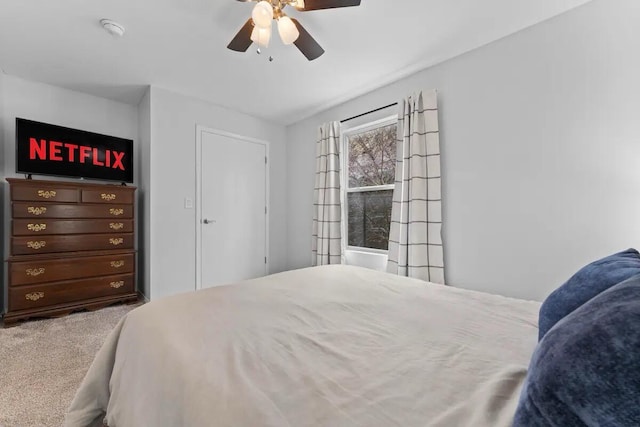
(200, 129)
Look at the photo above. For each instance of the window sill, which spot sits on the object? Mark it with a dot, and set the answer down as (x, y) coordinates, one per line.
(368, 259)
(366, 250)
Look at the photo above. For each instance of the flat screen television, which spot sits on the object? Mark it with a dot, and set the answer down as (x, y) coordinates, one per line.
(46, 149)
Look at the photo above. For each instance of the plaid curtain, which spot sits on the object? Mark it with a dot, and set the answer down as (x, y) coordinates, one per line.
(415, 241)
(327, 235)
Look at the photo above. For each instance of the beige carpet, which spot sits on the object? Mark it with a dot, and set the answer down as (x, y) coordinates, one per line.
(42, 363)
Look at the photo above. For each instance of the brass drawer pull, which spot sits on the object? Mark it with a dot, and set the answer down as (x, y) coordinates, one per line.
(117, 285)
(46, 194)
(36, 211)
(116, 212)
(34, 296)
(36, 227)
(116, 242)
(108, 197)
(36, 245)
(116, 225)
(117, 264)
(34, 272)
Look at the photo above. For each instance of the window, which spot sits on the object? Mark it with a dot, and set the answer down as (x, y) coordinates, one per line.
(370, 157)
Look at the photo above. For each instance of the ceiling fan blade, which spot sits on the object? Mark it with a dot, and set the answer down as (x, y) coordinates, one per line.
(307, 44)
(242, 40)
(327, 4)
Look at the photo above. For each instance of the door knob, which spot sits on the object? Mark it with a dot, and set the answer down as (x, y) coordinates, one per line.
(208, 221)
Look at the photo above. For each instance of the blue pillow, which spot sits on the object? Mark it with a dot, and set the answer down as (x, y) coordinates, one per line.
(585, 284)
(586, 369)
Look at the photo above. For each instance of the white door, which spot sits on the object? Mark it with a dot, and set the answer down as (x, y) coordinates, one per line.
(233, 214)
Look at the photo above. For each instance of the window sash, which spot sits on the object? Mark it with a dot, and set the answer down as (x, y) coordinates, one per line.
(368, 219)
(346, 135)
(371, 188)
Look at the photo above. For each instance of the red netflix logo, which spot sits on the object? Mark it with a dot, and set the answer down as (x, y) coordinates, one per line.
(74, 153)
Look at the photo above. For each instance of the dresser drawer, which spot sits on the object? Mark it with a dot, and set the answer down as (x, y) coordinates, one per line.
(70, 243)
(52, 210)
(47, 193)
(33, 296)
(54, 270)
(112, 195)
(31, 227)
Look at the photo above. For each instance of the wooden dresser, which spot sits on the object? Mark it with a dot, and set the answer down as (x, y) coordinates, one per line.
(72, 247)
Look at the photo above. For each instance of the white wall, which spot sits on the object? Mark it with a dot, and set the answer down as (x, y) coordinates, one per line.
(163, 127)
(51, 104)
(173, 149)
(2, 214)
(143, 166)
(540, 136)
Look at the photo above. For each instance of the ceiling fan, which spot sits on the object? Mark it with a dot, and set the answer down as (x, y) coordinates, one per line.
(258, 28)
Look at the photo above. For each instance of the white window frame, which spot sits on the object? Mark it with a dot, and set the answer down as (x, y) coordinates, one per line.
(344, 142)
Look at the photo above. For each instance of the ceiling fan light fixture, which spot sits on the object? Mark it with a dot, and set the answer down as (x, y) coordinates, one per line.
(261, 36)
(262, 14)
(288, 31)
(291, 31)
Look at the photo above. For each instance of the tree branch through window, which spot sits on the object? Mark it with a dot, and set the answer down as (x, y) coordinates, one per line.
(371, 163)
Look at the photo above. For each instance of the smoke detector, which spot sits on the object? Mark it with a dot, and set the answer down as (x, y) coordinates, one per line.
(112, 27)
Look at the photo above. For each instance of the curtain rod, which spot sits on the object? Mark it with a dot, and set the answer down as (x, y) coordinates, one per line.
(368, 112)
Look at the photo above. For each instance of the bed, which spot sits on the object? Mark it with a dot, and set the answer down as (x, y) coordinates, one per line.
(323, 346)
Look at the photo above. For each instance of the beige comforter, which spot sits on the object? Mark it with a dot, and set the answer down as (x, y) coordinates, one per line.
(326, 346)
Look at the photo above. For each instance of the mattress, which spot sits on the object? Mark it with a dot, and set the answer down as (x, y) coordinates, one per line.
(323, 346)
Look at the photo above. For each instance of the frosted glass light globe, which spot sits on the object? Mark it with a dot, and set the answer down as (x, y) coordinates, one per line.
(262, 14)
(261, 36)
(288, 31)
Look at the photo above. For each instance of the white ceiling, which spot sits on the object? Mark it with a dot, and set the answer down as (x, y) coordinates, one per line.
(181, 45)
